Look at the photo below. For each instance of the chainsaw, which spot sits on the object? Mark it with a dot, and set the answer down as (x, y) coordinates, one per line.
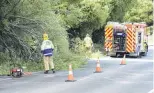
(16, 72)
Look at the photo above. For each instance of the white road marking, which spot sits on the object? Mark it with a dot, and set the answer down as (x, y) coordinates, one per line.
(125, 82)
(92, 75)
(49, 76)
(87, 77)
(108, 78)
(5, 79)
(152, 91)
(121, 66)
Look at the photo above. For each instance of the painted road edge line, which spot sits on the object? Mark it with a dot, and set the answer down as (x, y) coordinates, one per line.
(152, 91)
(5, 79)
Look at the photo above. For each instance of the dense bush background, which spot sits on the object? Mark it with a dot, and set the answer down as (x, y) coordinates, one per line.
(22, 23)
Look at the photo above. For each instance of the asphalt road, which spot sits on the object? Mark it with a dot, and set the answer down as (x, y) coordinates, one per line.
(134, 77)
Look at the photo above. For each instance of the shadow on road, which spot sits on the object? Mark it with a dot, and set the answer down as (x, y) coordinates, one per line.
(126, 57)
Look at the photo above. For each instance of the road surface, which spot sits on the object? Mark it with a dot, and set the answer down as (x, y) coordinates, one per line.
(134, 77)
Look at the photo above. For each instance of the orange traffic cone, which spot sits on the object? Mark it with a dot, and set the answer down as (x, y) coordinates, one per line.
(70, 75)
(123, 62)
(98, 67)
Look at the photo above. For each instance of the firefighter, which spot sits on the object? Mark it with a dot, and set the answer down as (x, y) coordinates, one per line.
(88, 43)
(47, 49)
(146, 46)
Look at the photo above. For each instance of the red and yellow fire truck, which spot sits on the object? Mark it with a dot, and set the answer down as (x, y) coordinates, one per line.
(126, 38)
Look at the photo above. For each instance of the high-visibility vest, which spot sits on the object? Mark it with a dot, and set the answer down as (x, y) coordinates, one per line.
(88, 42)
(47, 48)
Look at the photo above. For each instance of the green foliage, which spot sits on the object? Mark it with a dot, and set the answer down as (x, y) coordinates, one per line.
(119, 8)
(22, 32)
(150, 30)
(77, 46)
(73, 16)
(22, 23)
(74, 59)
(141, 12)
(95, 15)
(51, 23)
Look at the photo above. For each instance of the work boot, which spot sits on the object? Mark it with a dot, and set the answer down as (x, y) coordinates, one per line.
(53, 71)
(46, 72)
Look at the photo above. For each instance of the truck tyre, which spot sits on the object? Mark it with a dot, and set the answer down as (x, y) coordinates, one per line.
(139, 55)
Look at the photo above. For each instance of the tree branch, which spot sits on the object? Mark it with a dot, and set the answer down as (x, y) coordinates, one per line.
(12, 8)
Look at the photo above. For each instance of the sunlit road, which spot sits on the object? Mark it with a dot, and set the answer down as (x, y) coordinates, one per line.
(134, 77)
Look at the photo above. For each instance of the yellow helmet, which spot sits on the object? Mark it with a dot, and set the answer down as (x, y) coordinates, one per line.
(45, 36)
(87, 35)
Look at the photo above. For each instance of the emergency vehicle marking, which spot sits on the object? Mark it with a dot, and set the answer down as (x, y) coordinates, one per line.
(128, 32)
(133, 41)
(129, 46)
(108, 37)
(130, 40)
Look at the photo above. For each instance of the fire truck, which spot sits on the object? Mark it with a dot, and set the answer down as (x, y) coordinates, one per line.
(126, 38)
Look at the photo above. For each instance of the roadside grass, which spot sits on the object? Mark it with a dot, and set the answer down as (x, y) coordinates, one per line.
(98, 51)
(96, 55)
(4, 69)
(62, 63)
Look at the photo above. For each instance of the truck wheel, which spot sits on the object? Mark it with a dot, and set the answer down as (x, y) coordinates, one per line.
(139, 55)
